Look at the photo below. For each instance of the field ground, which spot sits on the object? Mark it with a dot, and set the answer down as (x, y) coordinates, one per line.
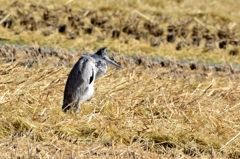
(177, 95)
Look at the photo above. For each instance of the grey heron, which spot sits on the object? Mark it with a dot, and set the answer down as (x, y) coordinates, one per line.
(80, 83)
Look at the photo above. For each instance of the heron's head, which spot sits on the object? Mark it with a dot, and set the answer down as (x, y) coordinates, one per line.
(102, 53)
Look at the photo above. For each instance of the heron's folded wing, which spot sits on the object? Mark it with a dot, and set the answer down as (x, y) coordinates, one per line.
(79, 78)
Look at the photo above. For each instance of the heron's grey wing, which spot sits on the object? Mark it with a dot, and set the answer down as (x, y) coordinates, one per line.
(81, 75)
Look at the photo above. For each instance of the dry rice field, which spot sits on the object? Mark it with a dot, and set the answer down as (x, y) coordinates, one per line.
(177, 95)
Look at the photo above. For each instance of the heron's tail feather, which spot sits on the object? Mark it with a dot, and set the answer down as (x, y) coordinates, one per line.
(66, 106)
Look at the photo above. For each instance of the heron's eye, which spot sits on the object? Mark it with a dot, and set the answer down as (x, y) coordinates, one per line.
(104, 56)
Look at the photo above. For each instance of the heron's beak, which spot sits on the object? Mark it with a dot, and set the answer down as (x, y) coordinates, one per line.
(112, 62)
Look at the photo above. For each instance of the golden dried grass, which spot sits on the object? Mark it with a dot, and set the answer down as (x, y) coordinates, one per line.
(135, 111)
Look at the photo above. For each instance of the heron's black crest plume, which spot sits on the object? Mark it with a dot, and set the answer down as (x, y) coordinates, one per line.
(101, 51)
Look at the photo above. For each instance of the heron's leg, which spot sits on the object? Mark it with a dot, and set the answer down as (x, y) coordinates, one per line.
(77, 106)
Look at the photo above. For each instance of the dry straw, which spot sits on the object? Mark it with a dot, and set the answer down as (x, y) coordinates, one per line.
(135, 111)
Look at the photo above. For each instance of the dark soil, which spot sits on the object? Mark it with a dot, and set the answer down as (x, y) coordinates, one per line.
(63, 19)
(29, 56)
(73, 24)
